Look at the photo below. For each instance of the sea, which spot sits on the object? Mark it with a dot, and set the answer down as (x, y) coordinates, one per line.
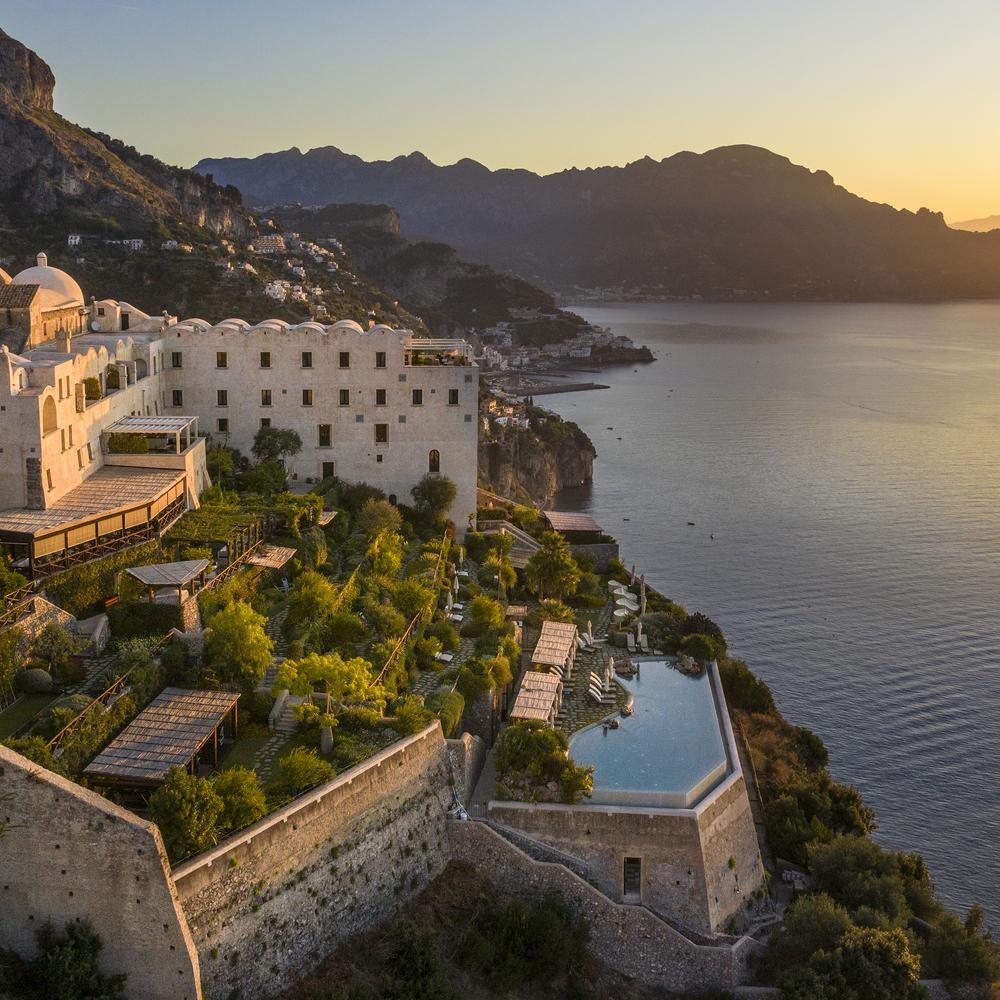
(824, 481)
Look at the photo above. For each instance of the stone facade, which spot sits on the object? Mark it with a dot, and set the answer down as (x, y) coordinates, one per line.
(273, 899)
(630, 939)
(68, 854)
(466, 757)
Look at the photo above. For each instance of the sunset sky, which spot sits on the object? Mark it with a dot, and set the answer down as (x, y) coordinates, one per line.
(896, 99)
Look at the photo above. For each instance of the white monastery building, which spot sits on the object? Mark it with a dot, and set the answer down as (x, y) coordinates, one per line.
(375, 405)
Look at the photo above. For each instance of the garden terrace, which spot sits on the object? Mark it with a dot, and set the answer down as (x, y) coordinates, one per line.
(157, 434)
(565, 522)
(172, 731)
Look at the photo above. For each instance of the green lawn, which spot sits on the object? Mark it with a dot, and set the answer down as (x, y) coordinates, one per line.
(241, 753)
(22, 712)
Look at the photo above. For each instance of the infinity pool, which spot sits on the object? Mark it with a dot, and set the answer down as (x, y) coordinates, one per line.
(670, 752)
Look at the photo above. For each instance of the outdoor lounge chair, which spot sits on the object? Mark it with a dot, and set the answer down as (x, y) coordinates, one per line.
(644, 643)
(630, 642)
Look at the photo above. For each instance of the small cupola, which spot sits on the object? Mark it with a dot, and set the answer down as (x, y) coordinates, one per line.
(42, 260)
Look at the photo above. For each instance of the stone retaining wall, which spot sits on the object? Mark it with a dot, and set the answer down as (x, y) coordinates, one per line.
(601, 552)
(466, 755)
(69, 854)
(630, 939)
(272, 900)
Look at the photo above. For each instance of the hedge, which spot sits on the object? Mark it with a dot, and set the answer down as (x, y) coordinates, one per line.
(139, 620)
(128, 444)
(449, 708)
(83, 589)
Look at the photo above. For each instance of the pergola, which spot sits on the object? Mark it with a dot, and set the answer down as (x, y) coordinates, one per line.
(556, 646)
(177, 428)
(567, 521)
(176, 575)
(172, 731)
(271, 556)
(538, 697)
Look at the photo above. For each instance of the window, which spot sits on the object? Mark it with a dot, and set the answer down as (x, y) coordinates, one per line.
(100, 310)
(453, 397)
(345, 397)
(380, 359)
(434, 461)
(418, 397)
(177, 397)
(90, 452)
(265, 359)
(265, 421)
(632, 877)
(359, 418)
(378, 458)
(325, 435)
(392, 499)
(221, 359)
(307, 359)
(265, 397)
(79, 458)
(345, 359)
(221, 397)
(328, 470)
(222, 425)
(381, 433)
(380, 397)
(48, 478)
(307, 397)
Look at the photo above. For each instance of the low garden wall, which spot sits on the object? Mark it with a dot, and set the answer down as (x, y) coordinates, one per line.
(601, 552)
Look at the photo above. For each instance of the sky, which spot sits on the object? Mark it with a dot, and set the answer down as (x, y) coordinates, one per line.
(895, 98)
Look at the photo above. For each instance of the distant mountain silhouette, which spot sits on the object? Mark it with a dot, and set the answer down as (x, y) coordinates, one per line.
(984, 225)
(738, 221)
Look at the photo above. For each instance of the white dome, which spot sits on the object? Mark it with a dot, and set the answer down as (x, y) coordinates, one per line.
(57, 287)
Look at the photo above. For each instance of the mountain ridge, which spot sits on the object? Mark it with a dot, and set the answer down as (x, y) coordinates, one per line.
(737, 221)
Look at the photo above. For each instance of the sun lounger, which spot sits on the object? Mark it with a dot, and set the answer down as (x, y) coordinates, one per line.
(630, 642)
(458, 607)
(644, 643)
(456, 618)
(444, 657)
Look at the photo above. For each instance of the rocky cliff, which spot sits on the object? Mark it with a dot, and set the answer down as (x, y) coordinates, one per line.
(52, 167)
(735, 222)
(532, 464)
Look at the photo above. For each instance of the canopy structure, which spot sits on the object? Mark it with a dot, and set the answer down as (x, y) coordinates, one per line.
(179, 576)
(517, 612)
(178, 431)
(326, 517)
(564, 521)
(271, 556)
(556, 646)
(172, 731)
(538, 698)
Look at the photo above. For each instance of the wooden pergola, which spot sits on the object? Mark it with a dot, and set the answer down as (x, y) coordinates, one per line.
(172, 731)
(179, 576)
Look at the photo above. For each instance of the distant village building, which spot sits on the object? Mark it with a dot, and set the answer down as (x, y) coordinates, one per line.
(272, 244)
(134, 243)
(275, 291)
(168, 245)
(74, 239)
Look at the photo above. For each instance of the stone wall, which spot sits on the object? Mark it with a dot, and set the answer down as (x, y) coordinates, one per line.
(601, 552)
(466, 756)
(68, 855)
(275, 898)
(630, 939)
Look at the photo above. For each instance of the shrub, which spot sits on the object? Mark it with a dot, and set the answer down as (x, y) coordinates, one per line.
(36, 749)
(445, 633)
(377, 515)
(433, 497)
(811, 923)
(34, 681)
(416, 969)
(962, 951)
(484, 613)
(255, 707)
(243, 800)
(744, 690)
(66, 966)
(449, 708)
(187, 811)
(552, 571)
(550, 611)
(128, 444)
(92, 388)
(237, 646)
(702, 647)
(54, 647)
(532, 753)
(84, 589)
(410, 715)
(298, 771)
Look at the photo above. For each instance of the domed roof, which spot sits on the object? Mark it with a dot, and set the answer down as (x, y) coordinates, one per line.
(57, 288)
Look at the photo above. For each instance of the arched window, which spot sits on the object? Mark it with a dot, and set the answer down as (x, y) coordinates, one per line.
(141, 368)
(434, 461)
(49, 420)
(392, 499)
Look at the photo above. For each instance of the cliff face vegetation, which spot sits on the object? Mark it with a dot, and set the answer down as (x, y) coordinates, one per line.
(532, 464)
(731, 223)
(51, 166)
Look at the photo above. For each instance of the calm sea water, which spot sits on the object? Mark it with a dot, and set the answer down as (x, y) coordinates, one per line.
(845, 458)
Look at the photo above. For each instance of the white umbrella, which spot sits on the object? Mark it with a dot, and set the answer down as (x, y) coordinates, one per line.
(448, 601)
(611, 664)
(454, 586)
(590, 630)
(615, 586)
(642, 604)
(620, 613)
(627, 600)
(638, 628)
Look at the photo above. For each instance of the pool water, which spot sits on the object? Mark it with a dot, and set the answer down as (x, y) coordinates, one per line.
(670, 752)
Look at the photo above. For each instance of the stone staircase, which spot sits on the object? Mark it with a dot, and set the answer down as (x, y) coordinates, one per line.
(524, 546)
(286, 722)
